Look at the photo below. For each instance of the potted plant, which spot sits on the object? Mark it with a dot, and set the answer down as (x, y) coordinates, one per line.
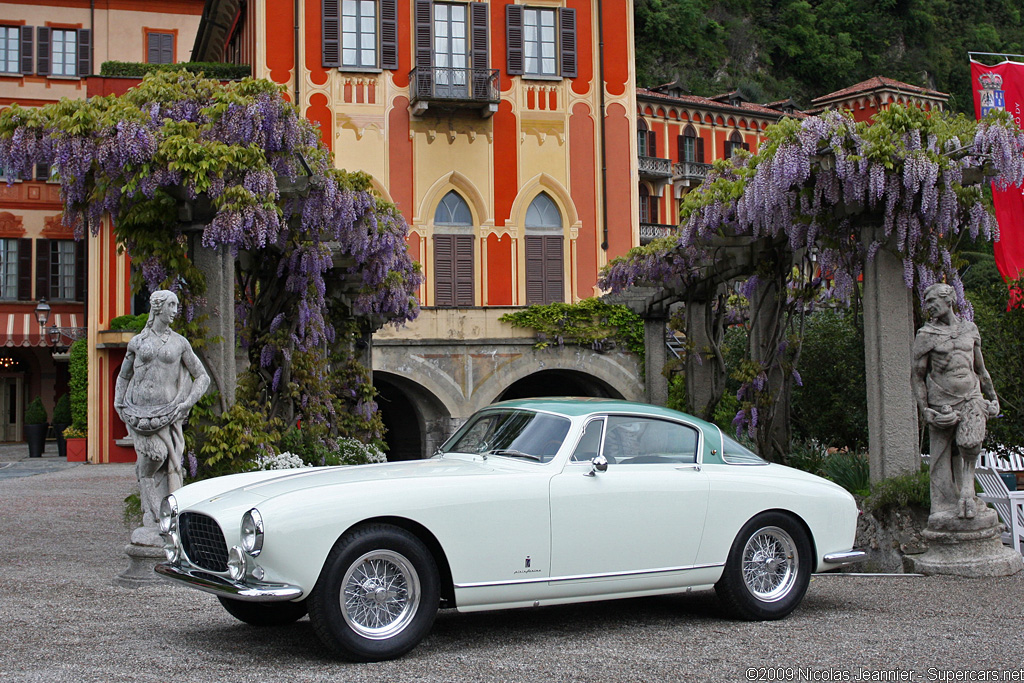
(35, 427)
(76, 444)
(61, 421)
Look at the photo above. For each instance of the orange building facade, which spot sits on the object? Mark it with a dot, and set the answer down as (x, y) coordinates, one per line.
(865, 99)
(49, 49)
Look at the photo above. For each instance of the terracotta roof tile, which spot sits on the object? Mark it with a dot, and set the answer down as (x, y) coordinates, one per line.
(879, 83)
(748, 108)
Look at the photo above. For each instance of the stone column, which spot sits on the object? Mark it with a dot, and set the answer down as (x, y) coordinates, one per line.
(655, 383)
(219, 268)
(893, 446)
(700, 376)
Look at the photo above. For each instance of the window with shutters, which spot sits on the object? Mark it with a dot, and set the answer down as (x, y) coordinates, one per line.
(10, 49)
(159, 47)
(544, 252)
(735, 142)
(62, 269)
(63, 53)
(688, 145)
(540, 41)
(454, 283)
(8, 269)
(360, 35)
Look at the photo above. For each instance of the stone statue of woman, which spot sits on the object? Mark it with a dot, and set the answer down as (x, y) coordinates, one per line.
(161, 379)
(956, 398)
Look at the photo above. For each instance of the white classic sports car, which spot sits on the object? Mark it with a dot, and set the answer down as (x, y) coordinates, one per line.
(531, 502)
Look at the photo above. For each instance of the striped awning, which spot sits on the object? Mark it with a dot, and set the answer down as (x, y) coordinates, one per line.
(22, 329)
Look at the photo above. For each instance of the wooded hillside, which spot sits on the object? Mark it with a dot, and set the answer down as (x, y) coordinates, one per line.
(775, 49)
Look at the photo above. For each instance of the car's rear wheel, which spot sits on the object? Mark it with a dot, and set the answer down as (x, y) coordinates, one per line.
(377, 595)
(768, 569)
(264, 613)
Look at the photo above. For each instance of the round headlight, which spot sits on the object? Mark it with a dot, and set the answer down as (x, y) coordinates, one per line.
(236, 563)
(252, 532)
(172, 549)
(168, 513)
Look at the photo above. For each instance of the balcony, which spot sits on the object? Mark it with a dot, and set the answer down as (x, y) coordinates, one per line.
(652, 231)
(689, 173)
(454, 88)
(655, 168)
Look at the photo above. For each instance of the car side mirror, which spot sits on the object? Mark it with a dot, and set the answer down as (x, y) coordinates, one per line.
(598, 464)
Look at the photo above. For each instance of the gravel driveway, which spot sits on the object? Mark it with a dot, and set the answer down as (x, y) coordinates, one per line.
(61, 619)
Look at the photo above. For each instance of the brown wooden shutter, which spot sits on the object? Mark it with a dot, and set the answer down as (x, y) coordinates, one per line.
(330, 33)
(42, 269)
(152, 48)
(652, 144)
(389, 34)
(24, 270)
(553, 289)
(43, 50)
(465, 284)
(444, 270)
(27, 45)
(84, 52)
(544, 265)
(700, 150)
(680, 148)
(567, 24)
(424, 48)
(534, 270)
(514, 62)
(479, 53)
(80, 269)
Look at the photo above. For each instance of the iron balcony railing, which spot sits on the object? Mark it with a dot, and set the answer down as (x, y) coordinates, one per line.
(651, 231)
(655, 167)
(691, 171)
(454, 86)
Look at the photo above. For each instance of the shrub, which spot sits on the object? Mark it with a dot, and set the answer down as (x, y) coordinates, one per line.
(35, 412)
(79, 369)
(905, 490)
(224, 72)
(808, 455)
(129, 323)
(831, 404)
(62, 411)
(849, 470)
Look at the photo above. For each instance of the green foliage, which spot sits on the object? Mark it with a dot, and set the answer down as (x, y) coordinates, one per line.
(312, 450)
(831, 405)
(79, 384)
(130, 323)
(132, 512)
(1001, 333)
(906, 490)
(217, 70)
(808, 455)
(849, 470)
(591, 322)
(62, 411)
(808, 48)
(35, 412)
(230, 442)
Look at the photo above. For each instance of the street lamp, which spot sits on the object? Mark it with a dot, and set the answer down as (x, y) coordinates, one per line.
(42, 314)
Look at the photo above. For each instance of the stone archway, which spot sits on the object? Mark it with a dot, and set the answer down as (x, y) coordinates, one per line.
(559, 383)
(417, 422)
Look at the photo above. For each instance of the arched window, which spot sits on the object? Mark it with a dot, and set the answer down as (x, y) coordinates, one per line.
(453, 210)
(734, 143)
(648, 206)
(544, 252)
(691, 147)
(646, 143)
(453, 252)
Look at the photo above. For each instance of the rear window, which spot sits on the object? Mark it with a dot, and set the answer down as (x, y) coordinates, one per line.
(735, 453)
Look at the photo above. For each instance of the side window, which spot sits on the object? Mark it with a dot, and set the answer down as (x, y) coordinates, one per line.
(359, 35)
(645, 441)
(540, 41)
(589, 443)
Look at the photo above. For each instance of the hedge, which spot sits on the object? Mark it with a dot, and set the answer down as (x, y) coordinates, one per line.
(224, 72)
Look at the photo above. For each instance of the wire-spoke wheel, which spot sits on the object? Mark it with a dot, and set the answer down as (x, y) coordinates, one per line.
(382, 592)
(768, 569)
(377, 594)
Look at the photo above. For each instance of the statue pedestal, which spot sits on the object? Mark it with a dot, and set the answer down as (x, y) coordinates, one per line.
(144, 552)
(966, 547)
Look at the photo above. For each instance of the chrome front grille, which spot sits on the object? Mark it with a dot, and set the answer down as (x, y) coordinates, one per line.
(203, 541)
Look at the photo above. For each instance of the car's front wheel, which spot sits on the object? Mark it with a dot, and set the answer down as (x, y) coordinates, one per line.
(264, 613)
(768, 569)
(377, 594)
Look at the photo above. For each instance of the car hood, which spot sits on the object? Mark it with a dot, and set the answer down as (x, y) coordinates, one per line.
(254, 486)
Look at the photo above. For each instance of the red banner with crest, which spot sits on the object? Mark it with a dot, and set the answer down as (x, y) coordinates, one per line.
(1002, 87)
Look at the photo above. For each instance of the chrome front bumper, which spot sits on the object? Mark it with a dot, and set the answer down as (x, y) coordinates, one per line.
(218, 585)
(844, 558)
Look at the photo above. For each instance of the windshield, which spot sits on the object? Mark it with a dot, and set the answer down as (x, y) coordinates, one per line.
(511, 433)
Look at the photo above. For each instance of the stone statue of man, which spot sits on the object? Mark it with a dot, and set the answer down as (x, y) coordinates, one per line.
(154, 393)
(956, 397)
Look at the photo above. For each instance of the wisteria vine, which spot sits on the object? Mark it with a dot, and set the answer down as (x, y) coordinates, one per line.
(914, 177)
(181, 137)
